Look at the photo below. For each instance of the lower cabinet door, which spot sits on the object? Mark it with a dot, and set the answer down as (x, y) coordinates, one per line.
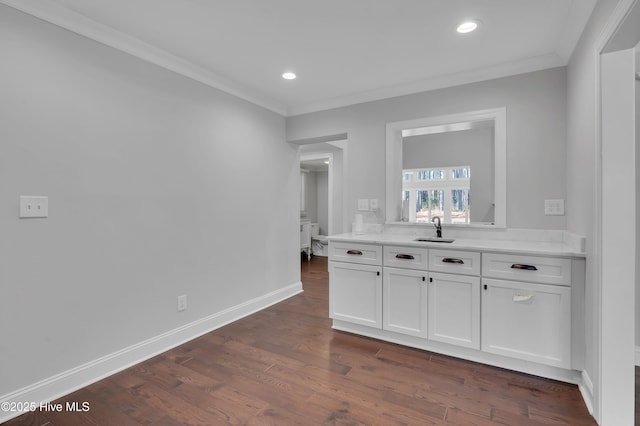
(527, 321)
(355, 293)
(405, 301)
(454, 309)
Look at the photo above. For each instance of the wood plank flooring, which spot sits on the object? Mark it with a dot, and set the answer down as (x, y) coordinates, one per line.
(285, 366)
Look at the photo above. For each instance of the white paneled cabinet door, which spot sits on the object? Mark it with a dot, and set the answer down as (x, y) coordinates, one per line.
(527, 321)
(355, 293)
(405, 301)
(454, 309)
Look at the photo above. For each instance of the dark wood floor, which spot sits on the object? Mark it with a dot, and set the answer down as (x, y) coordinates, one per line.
(284, 365)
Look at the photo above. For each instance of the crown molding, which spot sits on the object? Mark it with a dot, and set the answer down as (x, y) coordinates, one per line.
(537, 63)
(60, 16)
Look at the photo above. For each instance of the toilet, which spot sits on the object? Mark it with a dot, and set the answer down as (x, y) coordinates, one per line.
(319, 244)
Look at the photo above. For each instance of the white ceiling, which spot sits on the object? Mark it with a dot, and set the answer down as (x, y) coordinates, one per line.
(343, 51)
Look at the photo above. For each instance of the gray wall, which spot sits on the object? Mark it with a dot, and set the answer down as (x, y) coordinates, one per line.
(158, 186)
(473, 147)
(322, 201)
(317, 199)
(536, 132)
(311, 197)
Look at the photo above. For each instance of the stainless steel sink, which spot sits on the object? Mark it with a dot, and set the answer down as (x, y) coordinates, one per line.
(434, 240)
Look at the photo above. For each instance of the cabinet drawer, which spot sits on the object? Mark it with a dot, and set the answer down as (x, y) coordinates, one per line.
(365, 254)
(405, 257)
(527, 321)
(537, 269)
(454, 261)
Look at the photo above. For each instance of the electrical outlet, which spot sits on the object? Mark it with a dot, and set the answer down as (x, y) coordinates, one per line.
(373, 203)
(182, 303)
(34, 206)
(363, 204)
(554, 207)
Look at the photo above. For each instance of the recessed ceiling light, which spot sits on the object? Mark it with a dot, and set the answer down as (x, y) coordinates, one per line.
(288, 75)
(467, 26)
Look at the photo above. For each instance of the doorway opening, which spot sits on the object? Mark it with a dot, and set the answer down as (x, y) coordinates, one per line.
(316, 201)
(322, 195)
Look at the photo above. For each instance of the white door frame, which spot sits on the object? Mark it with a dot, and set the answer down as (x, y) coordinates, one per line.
(618, 257)
(614, 234)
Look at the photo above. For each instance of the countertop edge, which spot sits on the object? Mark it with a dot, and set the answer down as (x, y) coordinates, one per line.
(493, 246)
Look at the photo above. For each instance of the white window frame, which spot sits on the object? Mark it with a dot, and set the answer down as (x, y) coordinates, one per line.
(448, 184)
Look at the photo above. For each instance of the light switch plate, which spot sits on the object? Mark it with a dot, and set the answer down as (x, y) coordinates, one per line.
(554, 207)
(34, 206)
(363, 204)
(182, 303)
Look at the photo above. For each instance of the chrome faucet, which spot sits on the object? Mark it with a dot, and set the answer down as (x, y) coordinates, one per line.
(438, 226)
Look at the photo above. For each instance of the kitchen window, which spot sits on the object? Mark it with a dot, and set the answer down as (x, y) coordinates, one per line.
(442, 192)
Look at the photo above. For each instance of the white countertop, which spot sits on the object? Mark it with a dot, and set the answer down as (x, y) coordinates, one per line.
(498, 245)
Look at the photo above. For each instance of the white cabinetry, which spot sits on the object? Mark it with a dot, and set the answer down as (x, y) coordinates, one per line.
(538, 269)
(355, 283)
(527, 319)
(518, 311)
(405, 301)
(454, 297)
(454, 261)
(406, 257)
(405, 290)
(366, 254)
(454, 309)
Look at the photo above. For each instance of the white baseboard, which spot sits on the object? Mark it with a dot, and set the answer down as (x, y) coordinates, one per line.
(78, 377)
(586, 389)
(637, 352)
